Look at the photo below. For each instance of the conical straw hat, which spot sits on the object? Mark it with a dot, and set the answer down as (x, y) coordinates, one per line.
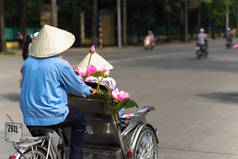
(96, 60)
(51, 41)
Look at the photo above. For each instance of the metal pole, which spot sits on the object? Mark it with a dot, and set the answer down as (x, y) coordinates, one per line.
(186, 21)
(124, 22)
(54, 16)
(119, 22)
(227, 16)
(82, 28)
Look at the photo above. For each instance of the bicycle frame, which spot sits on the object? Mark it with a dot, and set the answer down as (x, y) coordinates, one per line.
(33, 143)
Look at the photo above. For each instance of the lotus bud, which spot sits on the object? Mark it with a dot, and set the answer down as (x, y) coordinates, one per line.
(92, 49)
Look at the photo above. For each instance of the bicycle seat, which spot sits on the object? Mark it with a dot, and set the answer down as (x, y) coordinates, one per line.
(140, 115)
(40, 130)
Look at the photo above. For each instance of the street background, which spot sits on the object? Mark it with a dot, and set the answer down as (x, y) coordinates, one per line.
(195, 100)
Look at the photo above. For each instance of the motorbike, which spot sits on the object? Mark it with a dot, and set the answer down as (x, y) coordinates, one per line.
(148, 44)
(130, 137)
(201, 51)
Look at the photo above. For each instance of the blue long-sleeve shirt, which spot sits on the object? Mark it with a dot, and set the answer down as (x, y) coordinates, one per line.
(45, 85)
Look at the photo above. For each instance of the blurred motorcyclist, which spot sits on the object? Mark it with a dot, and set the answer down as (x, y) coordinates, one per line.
(202, 37)
(151, 36)
(229, 36)
(202, 44)
(149, 40)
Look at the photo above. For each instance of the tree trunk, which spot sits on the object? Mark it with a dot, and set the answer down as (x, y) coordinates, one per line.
(213, 29)
(3, 47)
(125, 22)
(236, 17)
(186, 21)
(168, 28)
(82, 28)
(94, 22)
(182, 23)
(23, 19)
(53, 6)
(199, 16)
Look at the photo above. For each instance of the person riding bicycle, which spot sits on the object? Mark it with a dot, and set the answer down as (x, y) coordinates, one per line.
(202, 40)
(46, 81)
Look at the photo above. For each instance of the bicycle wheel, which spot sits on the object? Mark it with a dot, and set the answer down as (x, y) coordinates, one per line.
(38, 154)
(146, 146)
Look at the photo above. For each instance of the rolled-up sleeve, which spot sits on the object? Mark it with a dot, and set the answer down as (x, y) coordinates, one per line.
(72, 83)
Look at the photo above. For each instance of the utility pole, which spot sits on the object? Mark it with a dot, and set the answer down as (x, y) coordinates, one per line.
(94, 22)
(119, 22)
(54, 15)
(227, 16)
(124, 22)
(186, 21)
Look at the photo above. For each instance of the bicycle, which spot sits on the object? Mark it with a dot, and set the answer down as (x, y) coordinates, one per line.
(131, 138)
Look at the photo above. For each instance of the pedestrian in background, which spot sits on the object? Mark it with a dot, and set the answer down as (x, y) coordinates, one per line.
(234, 32)
(25, 51)
(229, 35)
(20, 40)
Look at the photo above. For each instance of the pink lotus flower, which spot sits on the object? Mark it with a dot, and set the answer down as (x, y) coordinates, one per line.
(91, 69)
(83, 72)
(120, 95)
(80, 71)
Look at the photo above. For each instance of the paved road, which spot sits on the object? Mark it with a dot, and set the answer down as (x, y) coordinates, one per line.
(196, 100)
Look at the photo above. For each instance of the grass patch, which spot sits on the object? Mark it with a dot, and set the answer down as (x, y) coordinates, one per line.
(7, 53)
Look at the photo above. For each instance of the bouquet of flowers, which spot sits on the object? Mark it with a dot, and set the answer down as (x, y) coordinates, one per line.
(114, 99)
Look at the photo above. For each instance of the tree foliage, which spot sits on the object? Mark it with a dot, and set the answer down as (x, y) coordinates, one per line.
(142, 14)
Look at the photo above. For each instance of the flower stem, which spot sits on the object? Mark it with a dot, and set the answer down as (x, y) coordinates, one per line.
(98, 86)
(116, 117)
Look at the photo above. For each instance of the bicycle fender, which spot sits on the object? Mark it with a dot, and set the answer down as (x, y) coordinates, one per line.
(155, 130)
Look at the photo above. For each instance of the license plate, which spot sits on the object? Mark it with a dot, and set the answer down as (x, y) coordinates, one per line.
(13, 132)
(197, 48)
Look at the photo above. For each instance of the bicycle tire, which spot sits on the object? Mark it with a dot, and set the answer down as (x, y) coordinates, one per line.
(147, 131)
(40, 153)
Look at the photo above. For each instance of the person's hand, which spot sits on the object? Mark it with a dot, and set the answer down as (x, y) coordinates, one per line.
(94, 92)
